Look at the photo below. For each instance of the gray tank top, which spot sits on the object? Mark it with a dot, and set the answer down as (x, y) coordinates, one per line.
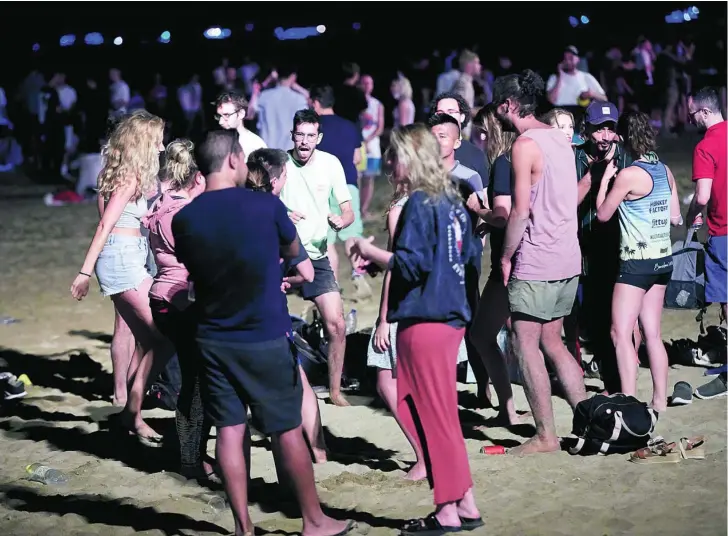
(132, 214)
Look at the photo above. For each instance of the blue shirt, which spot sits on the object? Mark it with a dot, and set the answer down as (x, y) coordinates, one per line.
(229, 240)
(432, 247)
(341, 138)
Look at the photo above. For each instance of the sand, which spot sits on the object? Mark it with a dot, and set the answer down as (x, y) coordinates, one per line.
(118, 488)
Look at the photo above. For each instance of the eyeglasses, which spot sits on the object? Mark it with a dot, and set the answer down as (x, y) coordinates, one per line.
(300, 136)
(226, 116)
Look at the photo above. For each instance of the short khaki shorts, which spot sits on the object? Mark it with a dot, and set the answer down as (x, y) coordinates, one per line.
(545, 300)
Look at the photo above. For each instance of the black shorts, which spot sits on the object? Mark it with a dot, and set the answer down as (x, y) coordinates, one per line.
(263, 376)
(644, 281)
(323, 282)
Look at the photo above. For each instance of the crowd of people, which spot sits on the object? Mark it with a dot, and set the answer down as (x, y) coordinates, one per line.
(578, 229)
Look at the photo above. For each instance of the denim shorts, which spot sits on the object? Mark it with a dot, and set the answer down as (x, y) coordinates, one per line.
(121, 264)
(716, 269)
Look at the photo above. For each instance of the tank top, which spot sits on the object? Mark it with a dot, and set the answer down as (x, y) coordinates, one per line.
(645, 222)
(550, 250)
(132, 214)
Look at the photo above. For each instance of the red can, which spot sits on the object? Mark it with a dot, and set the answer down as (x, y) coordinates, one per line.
(493, 449)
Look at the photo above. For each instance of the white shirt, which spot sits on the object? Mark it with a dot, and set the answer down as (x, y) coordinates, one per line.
(67, 97)
(446, 81)
(308, 190)
(190, 97)
(573, 85)
(119, 93)
(250, 142)
(370, 124)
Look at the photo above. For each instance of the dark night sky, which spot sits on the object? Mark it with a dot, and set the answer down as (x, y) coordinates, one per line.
(499, 28)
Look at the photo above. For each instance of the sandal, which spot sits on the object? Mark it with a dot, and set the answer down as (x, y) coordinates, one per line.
(471, 523)
(692, 448)
(656, 451)
(427, 526)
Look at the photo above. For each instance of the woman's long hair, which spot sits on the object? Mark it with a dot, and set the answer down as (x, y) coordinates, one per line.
(414, 152)
(180, 168)
(132, 154)
(498, 141)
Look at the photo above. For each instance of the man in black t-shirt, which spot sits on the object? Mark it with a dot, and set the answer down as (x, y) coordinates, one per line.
(350, 100)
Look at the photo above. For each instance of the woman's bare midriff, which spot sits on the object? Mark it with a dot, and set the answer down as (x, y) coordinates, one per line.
(126, 231)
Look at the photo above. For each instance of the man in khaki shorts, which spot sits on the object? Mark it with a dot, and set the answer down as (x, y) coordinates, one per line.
(541, 259)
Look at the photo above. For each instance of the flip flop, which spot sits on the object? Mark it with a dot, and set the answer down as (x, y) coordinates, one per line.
(350, 525)
(151, 442)
(471, 523)
(427, 526)
(692, 448)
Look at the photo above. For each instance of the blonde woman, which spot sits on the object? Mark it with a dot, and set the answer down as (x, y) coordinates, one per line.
(561, 119)
(432, 245)
(118, 251)
(404, 113)
(489, 320)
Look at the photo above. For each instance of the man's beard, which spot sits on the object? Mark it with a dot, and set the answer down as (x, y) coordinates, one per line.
(507, 124)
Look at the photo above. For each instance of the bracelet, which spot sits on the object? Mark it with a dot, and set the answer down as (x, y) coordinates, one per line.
(84, 273)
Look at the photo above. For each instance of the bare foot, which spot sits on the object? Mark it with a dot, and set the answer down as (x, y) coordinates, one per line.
(138, 427)
(118, 401)
(320, 455)
(659, 407)
(534, 446)
(337, 399)
(417, 472)
(327, 527)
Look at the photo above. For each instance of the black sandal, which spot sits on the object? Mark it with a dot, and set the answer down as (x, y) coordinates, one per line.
(427, 526)
(471, 523)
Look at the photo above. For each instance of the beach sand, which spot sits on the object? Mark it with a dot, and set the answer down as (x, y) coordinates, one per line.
(118, 488)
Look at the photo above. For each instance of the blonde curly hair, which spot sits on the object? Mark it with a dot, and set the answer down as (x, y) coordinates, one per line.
(415, 153)
(132, 153)
(180, 167)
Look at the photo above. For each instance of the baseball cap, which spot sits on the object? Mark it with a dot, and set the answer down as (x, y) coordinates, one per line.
(572, 49)
(601, 112)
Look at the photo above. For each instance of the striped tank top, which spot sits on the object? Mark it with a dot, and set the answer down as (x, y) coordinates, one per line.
(645, 223)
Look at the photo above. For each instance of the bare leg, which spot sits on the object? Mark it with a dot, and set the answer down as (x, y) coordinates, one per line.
(311, 419)
(387, 389)
(567, 369)
(626, 306)
(487, 324)
(366, 192)
(122, 349)
(229, 454)
(332, 312)
(536, 384)
(295, 458)
(651, 319)
(133, 305)
(333, 256)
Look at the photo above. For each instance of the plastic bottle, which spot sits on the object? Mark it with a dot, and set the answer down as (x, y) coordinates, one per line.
(46, 475)
(351, 322)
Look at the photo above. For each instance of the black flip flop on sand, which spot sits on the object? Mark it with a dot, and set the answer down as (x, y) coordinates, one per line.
(471, 523)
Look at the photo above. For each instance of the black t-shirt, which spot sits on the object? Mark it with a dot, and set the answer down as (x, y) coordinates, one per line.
(500, 181)
(229, 240)
(472, 157)
(350, 102)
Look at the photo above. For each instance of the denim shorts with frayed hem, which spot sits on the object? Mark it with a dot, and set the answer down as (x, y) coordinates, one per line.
(121, 266)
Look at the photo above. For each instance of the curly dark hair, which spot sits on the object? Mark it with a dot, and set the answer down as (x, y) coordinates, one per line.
(462, 105)
(525, 88)
(638, 134)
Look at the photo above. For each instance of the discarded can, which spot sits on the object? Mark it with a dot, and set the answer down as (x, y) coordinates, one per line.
(493, 449)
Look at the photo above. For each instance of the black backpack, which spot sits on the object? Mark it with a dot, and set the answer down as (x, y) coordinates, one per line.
(606, 424)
